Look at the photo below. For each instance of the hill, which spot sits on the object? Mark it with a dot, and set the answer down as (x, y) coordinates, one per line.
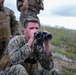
(63, 46)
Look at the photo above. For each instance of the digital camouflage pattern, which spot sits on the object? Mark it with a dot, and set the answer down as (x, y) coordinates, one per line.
(4, 32)
(14, 26)
(20, 53)
(4, 27)
(14, 70)
(34, 7)
(8, 27)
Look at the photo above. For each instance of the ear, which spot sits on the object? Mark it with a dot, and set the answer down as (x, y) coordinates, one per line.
(24, 30)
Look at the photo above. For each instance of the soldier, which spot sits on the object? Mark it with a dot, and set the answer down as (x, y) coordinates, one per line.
(28, 51)
(8, 28)
(29, 8)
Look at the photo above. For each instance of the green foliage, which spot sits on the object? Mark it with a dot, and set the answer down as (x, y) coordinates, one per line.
(68, 71)
(63, 38)
(64, 52)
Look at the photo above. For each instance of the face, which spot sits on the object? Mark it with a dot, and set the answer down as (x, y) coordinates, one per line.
(32, 27)
(1, 3)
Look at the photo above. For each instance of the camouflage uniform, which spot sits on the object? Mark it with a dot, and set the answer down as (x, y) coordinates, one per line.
(34, 7)
(14, 70)
(14, 26)
(13, 30)
(13, 23)
(20, 53)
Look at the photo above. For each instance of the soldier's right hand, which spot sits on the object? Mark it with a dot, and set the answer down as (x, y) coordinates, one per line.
(31, 37)
(32, 34)
(24, 8)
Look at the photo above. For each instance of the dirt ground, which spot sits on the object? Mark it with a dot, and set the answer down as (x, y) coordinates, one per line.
(60, 63)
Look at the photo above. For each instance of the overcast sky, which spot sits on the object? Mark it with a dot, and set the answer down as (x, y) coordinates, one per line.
(60, 13)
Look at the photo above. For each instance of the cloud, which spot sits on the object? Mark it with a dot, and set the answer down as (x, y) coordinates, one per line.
(56, 12)
(66, 10)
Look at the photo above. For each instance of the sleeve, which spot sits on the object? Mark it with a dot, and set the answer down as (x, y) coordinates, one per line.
(19, 4)
(46, 62)
(14, 24)
(17, 53)
(4, 61)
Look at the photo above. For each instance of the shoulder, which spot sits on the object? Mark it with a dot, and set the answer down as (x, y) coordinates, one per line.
(13, 40)
(6, 9)
(16, 39)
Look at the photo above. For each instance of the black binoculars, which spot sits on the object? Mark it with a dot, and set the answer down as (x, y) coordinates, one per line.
(43, 35)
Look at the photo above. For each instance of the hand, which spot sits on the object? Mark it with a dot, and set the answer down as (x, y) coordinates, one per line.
(32, 34)
(47, 44)
(31, 37)
(45, 40)
(11, 36)
(25, 6)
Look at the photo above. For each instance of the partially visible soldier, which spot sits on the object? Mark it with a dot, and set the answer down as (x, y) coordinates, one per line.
(9, 27)
(29, 8)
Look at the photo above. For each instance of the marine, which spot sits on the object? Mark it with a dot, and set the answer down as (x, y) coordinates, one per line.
(9, 27)
(29, 51)
(29, 9)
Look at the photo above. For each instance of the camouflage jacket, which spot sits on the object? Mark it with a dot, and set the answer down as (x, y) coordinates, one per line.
(19, 52)
(14, 26)
(33, 5)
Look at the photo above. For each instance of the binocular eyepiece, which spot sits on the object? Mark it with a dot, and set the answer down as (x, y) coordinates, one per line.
(43, 35)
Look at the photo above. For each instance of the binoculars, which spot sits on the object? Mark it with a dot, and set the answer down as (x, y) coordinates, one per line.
(43, 35)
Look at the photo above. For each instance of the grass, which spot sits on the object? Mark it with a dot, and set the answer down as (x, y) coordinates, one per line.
(68, 71)
(64, 52)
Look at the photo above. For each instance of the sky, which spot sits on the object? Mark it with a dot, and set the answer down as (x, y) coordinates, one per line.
(56, 13)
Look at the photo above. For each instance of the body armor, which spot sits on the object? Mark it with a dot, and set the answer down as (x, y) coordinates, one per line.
(4, 38)
(36, 4)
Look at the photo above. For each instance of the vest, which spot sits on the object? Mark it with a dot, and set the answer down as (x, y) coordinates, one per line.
(4, 38)
(4, 61)
(35, 5)
(38, 4)
(4, 28)
(29, 64)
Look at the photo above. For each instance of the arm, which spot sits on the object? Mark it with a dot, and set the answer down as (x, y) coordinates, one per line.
(18, 51)
(47, 47)
(45, 56)
(19, 4)
(14, 24)
(22, 5)
(45, 61)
